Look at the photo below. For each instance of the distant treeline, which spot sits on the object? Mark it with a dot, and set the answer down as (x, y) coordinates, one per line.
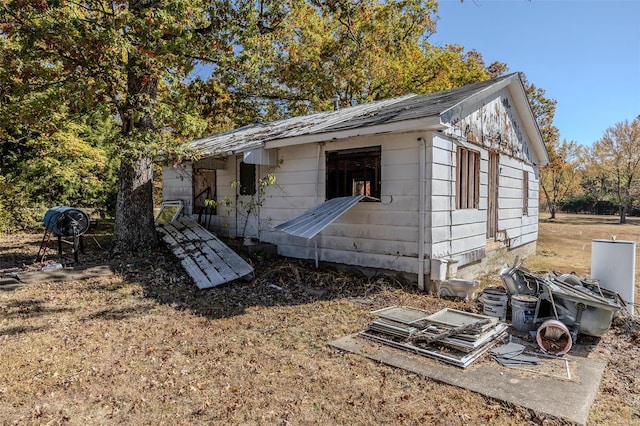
(586, 204)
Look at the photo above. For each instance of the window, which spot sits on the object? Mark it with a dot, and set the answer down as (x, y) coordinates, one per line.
(467, 179)
(525, 193)
(247, 178)
(353, 172)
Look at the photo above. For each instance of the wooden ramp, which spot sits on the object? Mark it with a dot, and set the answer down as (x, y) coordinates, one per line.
(204, 257)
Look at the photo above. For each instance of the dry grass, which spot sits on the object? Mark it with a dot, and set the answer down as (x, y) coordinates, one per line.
(146, 347)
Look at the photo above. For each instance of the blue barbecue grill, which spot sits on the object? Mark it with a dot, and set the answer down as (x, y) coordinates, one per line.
(68, 222)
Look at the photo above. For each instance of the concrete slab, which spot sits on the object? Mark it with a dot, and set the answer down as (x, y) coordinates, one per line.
(567, 399)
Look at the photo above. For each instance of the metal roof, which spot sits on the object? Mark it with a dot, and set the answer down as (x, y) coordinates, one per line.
(314, 220)
(442, 105)
(255, 135)
(418, 106)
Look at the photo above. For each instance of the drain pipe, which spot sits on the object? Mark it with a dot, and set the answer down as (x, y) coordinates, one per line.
(315, 239)
(421, 208)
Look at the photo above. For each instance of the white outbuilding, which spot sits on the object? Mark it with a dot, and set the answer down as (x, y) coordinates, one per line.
(427, 185)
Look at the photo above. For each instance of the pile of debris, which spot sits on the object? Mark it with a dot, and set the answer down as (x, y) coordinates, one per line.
(563, 306)
(515, 355)
(455, 337)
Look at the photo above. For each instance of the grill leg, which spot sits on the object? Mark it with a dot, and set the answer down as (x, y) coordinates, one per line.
(43, 245)
(76, 246)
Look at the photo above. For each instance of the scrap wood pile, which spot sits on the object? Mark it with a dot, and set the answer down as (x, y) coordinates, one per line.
(449, 335)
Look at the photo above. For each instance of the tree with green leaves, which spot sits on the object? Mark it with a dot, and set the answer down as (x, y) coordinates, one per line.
(562, 175)
(64, 58)
(354, 51)
(617, 156)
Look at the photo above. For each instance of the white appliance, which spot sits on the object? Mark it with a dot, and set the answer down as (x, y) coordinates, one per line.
(613, 263)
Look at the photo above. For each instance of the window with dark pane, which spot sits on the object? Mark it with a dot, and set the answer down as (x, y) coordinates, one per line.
(247, 179)
(353, 172)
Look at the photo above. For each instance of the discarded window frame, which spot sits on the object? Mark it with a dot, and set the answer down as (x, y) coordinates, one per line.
(169, 211)
(397, 325)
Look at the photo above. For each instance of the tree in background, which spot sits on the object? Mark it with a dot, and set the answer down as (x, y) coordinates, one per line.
(562, 176)
(617, 156)
(354, 52)
(63, 59)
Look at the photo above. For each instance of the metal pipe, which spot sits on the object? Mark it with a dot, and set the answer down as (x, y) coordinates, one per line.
(421, 220)
(317, 182)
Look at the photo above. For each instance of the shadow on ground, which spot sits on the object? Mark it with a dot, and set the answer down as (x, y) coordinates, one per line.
(278, 282)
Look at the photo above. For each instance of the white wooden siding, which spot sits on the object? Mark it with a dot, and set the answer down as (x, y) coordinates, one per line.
(460, 231)
(385, 234)
(224, 222)
(371, 234)
(177, 185)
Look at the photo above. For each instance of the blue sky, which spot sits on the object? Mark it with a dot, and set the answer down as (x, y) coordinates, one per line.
(584, 53)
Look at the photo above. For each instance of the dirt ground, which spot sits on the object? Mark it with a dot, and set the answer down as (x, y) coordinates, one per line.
(145, 346)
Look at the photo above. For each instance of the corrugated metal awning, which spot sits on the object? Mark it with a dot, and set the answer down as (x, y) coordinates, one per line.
(314, 220)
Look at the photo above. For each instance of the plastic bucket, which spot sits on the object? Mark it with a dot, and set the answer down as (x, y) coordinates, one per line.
(523, 311)
(494, 302)
(554, 338)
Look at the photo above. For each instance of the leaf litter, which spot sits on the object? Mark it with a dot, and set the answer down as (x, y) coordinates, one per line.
(146, 346)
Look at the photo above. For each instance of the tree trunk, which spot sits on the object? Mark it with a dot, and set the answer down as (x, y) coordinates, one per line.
(623, 214)
(552, 210)
(135, 228)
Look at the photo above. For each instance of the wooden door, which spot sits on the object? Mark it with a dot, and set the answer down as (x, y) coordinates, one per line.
(204, 188)
(492, 209)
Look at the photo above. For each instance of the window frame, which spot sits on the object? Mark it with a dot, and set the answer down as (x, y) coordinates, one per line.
(247, 179)
(343, 178)
(467, 178)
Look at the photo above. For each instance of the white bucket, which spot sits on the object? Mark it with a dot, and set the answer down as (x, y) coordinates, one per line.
(494, 302)
(523, 311)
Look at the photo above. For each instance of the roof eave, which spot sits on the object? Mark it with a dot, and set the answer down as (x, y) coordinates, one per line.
(420, 124)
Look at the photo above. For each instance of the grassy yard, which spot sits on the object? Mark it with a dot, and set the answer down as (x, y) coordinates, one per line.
(145, 346)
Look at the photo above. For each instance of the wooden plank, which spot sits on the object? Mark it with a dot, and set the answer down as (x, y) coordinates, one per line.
(227, 256)
(189, 265)
(223, 259)
(193, 246)
(205, 258)
(213, 261)
(193, 259)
